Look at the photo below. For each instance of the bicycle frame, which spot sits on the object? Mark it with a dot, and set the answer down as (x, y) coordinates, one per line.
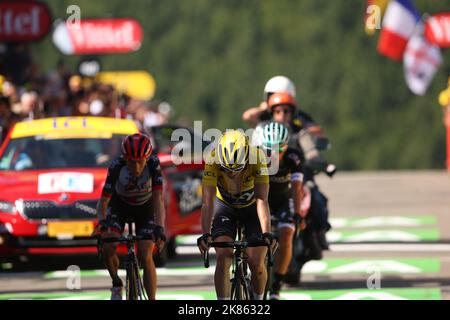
(134, 284)
(241, 282)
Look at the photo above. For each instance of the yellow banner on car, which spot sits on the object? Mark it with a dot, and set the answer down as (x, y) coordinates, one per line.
(74, 127)
(137, 84)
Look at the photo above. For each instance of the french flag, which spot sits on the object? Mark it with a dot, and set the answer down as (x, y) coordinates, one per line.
(399, 23)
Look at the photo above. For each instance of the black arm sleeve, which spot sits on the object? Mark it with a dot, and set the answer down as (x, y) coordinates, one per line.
(155, 170)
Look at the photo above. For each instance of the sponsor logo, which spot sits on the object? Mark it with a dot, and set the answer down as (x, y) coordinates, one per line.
(24, 20)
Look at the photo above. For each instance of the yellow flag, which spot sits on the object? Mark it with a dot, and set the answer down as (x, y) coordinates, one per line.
(374, 13)
(444, 96)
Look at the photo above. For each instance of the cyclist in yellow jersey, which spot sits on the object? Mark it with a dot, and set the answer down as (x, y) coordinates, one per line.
(235, 188)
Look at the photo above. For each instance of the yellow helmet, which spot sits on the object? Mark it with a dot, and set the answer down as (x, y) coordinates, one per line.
(233, 150)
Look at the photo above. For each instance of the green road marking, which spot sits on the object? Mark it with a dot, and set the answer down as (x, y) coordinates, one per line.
(383, 221)
(350, 294)
(325, 266)
(56, 295)
(384, 266)
(402, 232)
(366, 294)
(381, 235)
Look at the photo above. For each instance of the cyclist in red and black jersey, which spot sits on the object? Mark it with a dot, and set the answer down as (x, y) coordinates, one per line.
(133, 191)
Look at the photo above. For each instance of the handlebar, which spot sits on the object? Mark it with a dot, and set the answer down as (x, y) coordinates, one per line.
(124, 239)
(239, 245)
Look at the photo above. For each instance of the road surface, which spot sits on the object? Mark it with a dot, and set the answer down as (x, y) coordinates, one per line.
(390, 240)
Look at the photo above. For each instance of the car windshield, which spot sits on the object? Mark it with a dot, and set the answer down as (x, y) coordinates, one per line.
(34, 153)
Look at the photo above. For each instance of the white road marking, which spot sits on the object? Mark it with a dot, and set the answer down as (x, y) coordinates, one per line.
(386, 247)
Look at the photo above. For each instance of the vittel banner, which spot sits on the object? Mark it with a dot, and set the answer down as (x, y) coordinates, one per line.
(98, 36)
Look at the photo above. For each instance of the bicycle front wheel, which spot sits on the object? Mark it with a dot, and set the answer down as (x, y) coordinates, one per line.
(236, 289)
(239, 287)
(132, 285)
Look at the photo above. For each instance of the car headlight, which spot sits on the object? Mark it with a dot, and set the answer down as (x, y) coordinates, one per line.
(7, 207)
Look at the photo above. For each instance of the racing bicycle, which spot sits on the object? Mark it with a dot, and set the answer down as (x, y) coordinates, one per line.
(134, 286)
(241, 279)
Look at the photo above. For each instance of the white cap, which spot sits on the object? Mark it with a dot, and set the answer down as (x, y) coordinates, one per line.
(279, 84)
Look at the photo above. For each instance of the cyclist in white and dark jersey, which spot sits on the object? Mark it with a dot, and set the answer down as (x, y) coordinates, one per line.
(133, 191)
(285, 195)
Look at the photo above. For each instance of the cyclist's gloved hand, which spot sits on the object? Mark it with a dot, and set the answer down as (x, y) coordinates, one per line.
(300, 221)
(330, 170)
(102, 226)
(272, 240)
(158, 234)
(202, 242)
(159, 237)
(269, 237)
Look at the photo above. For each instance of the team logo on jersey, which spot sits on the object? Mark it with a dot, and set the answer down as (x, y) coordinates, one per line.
(209, 174)
(297, 122)
(246, 196)
(137, 185)
(263, 171)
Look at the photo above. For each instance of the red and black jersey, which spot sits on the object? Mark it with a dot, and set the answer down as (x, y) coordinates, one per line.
(130, 189)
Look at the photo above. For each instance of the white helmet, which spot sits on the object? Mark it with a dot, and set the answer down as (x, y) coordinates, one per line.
(279, 84)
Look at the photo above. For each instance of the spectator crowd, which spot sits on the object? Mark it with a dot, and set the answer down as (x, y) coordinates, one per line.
(65, 93)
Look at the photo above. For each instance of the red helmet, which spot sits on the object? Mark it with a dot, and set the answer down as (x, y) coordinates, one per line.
(282, 98)
(136, 147)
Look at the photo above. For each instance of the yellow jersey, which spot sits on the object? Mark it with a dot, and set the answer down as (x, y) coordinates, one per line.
(238, 191)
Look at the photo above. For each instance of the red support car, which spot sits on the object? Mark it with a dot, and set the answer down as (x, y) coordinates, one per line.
(52, 172)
